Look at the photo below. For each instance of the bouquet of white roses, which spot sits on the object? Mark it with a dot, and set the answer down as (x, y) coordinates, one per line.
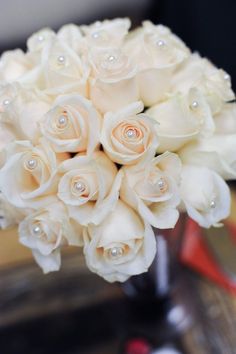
(107, 133)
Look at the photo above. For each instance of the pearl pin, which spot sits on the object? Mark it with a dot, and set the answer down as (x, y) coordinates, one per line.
(6, 102)
(61, 60)
(37, 230)
(161, 184)
(96, 35)
(62, 121)
(226, 77)
(194, 104)
(160, 43)
(32, 164)
(40, 38)
(116, 252)
(111, 58)
(79, 187)
(131, 133)
(212, 204)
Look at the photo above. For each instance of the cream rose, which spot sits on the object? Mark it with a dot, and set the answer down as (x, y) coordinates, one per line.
(14, 64)
(121, 246)
(128, 137)
(107, 33)
(225, 120)
(21, 110)
(72, 125)
(181, 118)
(10, 215)
(157, 53)
(113, 81)
(205, 195)
(29, 175)
(89, 187)
(217, 153)
(199, 72)
(61, 70)
(152, 189)
(72, 36)
(46, 231)
(39, 40)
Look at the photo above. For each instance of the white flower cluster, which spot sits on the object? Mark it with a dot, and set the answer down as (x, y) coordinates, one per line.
(107, 133)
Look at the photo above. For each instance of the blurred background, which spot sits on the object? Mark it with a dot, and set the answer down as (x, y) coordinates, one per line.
(74, 311)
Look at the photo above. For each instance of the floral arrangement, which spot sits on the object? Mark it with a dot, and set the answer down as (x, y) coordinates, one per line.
(107, 134)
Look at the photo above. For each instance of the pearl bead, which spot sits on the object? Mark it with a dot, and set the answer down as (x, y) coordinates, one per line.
(37, 230)
(116, 252)
(212, 204)
(160, 43)
(32, 164)
(194, 104)
(111, 58)
(40, 38)
(161, 184)
(6, 102)
(62, 121)
(131, 133)
(79, 187)
(96, 35)
(61, 60)
(226, 77)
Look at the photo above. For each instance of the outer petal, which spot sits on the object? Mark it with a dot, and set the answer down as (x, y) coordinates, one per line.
(205, 194)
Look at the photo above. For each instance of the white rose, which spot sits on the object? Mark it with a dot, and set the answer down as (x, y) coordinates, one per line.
(10, 215)
(199, 72)
(72, 36)
(89, 187)
(205, 194)
(38, 40)
(181, 118)
(157, 53)
(107, 33)
(62, 70)
(225, 120)
(113, 81)
(21, 110)
(72, 125)
(46, 231)
(128, 137)
(152, 189)
(121, 246)
(217, 153)
(14, 64)
(6, 138)
(29, 175)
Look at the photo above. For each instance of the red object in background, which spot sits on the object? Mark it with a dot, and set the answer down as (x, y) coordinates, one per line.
(137, 346)
(195, 254)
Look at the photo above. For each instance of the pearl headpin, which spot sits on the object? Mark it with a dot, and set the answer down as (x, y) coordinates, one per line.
(131, 133)
(161, 43)
(37, 230)
(226, 77)
(41, 38)
(31, 164)
(162, 185)
(62, 121)
(79, 187)
(116, 252)
(111, 58)
(61, 60)
(6, 102)
(213, 204)
(194, 105)
(96, 35)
